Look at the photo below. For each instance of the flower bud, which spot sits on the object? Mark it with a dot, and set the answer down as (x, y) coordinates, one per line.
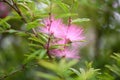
(4, 10)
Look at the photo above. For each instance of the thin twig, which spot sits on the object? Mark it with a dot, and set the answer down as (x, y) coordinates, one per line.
(48, 45)
(13, 72)
(49, 39)
(9, 5)
(15, 7)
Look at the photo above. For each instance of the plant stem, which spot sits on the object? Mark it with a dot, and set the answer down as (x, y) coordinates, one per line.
(13, 72)
(48, 45)
(15, 7)
(49, 39)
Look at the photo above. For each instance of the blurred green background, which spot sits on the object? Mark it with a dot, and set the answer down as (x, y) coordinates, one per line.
(102, 34)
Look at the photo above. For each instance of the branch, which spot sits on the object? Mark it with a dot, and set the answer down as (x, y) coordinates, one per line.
(16, 8)
(13, 72)
(49, 39)
(48, 45)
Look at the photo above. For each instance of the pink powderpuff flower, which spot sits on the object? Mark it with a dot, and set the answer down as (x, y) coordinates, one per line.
(70, 33)
(65, 49)
(56, 27)
(63, 35)
(52, 26)
(71, 53)
(67, 53)
(74, 33)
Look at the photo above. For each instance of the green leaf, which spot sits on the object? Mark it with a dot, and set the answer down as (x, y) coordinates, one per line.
(43, 37)
(64, 6)
(66, 15)
(47, 76)
(116, 57)
(12, 31)
(46, 2)
(71, 63)
(4, 24)
(34, 45)
(43, 53)
(32, 56)
(114, 68)
(87, 73)
(21, 33)
(75, 71)
(28, 1)
(33, 24)
(78, 20)
(52, 66)
(27, 8)
(58, 46)
(36, 39)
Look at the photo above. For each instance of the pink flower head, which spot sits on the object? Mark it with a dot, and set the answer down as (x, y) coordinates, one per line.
(52, 26)
(70, 33)
(63, 35)
(67, 53)
(74, 33)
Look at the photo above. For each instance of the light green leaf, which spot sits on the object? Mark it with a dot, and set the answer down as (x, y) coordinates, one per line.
(52, 66)
(32, 56)
(4, 24)
(36, 39)
(67, 15)
(33, 24)
(28, 1)
(64, 6)
(78, 20)
(22, 33)
(42, 54)
(47, 76)
(12, 31)
(75, 71)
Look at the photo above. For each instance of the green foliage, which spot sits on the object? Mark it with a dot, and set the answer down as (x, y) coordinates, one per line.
(39, 53)
(106, 76)
(4, 25)
(86, 74)
(33, 24)
(60, 69)
(115, 68)
(38, 41)
(63, 71)
(62, 5)
(22, 44)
